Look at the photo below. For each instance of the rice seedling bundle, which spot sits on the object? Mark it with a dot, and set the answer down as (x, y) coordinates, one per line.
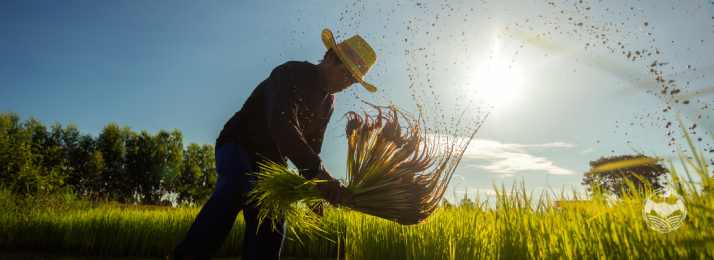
(395, 171)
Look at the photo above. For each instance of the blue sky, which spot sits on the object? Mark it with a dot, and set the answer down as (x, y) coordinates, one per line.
(562, 93)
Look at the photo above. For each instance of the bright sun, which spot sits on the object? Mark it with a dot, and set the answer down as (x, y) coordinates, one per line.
(497, 82)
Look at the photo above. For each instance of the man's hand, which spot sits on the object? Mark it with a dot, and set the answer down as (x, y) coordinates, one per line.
(333, 190)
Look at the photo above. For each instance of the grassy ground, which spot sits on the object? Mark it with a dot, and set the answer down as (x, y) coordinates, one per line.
(506, 230)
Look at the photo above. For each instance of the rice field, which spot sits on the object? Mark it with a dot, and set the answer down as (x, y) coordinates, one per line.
(511, 225)
(508, 229)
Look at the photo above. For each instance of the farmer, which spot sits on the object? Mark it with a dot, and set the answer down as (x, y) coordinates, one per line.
(284, 118)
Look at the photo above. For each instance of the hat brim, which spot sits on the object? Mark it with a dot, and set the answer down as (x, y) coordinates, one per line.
(329, 42)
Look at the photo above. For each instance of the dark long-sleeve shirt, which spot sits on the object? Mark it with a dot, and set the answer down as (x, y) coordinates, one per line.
(285, 116)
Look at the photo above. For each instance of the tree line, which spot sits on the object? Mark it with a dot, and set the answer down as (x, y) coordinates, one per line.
(118, 164)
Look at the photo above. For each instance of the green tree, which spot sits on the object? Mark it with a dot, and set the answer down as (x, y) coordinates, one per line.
(111, 143)
(207, 163)
(83, 156)
(69, 139)
(92, 177)
(141, 150)
(190, 180)
(169, 164)
(154, 162)
(50, 163)
(134, 161)
(16, 158)
(641, 170)
(32, 158)
(198, 174)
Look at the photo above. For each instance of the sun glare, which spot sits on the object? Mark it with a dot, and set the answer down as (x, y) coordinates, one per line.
(497, 81)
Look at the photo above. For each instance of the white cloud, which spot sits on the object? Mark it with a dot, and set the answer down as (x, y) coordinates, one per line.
(508, 158)
(586, 151)
(460, 176)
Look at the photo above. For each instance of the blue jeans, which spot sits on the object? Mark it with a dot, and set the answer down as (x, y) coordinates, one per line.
(216, 218)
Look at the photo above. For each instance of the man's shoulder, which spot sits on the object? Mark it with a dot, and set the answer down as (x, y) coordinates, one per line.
(297, 74)
(296, 66)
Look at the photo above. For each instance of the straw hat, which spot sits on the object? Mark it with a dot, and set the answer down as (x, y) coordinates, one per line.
(355, 53)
